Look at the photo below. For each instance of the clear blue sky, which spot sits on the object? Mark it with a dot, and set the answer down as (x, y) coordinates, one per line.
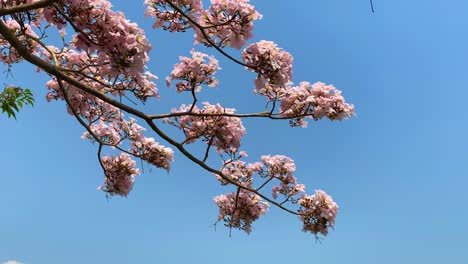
(398, 169)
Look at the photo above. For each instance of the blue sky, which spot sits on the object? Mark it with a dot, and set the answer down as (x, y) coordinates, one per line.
(398, 169)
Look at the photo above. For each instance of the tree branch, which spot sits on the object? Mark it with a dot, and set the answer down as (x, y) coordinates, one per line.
(25, 7)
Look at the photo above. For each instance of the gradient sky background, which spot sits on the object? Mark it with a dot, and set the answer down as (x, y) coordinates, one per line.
(398, 169)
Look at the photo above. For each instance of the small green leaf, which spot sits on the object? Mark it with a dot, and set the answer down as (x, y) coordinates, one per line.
(13, 105)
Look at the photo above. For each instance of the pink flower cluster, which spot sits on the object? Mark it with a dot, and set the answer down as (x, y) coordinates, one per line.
(8, 54)
(114, 50)
(193, 72)
(288, 187)
(120, 173)
(86, 105)
(316, 101)
(227, 23)
(281, 168)
(277, 167)
(152, 152)
(109, 33)
(106, 132)
(273, 65)
(170, 19)
(223, 132)
(87, 65)
(240, 210)
(318, 212)
(239, 172)
(143, 147)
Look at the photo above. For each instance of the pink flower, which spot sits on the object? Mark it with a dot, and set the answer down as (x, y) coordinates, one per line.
(236, 171)
(223, 132)
(275, 191)
(150, 150)
(170, 19)
(193, 72)
(227, 23)
(318, 212)
(10, 55)
(240, 210)
(120, 173)
(315, 101)
(108, 133)
(281, 168)
(273, 65)
(113, 50)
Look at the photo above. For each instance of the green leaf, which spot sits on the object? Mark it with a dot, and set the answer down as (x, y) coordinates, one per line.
(13, 105)
(13, 98)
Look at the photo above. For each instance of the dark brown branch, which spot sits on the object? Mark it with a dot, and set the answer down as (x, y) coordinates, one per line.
(195, 100)
(274, 116)
(25, 7)
(234, 210)
(207, 152)
(265, 183)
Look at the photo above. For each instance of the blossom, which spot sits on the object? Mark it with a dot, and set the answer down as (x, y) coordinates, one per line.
(152, 152)
(193, 72)
(113, 49)
(227, 23)
(120, 172)
(281, 168)
(318, 212)
(315, 101)
(106, 132)
(240, 210)
(23, 33)
(223, 132)
(115, 131)
(236, 171)
(170, 19)
(278, 165)
(273, 65)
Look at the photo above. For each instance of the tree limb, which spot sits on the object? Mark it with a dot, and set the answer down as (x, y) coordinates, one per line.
(25, 7)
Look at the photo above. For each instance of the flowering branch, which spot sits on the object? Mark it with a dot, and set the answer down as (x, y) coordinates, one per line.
(104, 62)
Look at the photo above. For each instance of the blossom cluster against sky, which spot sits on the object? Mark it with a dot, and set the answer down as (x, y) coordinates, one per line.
(398, 169)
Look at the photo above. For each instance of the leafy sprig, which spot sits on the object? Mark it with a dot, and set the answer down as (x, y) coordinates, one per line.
(13, 98)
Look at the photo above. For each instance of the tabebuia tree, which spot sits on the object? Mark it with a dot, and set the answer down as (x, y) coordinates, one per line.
(99, 57)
